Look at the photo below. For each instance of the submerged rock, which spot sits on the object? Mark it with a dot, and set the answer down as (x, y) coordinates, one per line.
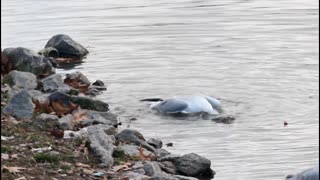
(23, 59)
(20, 106)
(21, 80)
(66, 46)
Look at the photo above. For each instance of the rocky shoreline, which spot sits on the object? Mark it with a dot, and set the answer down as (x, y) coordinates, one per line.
(37, 99)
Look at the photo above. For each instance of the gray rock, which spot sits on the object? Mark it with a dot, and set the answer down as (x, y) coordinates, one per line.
(66, 46)
(156, 143)
(83, 133)
(185, 177)
(162, 176)
(77, 76)
(46, 121)
(23, 59)
(170, 157)
(132, 136)
(151, 168)
(66, 122)
(160, 153)
(54, 82)
(194, 165)
(134, 176)
(101, 145)
(133, 150)
(19, 79)
(224, 119)
(167, 167)
(38, 95)
(94, 117)
(20, 106)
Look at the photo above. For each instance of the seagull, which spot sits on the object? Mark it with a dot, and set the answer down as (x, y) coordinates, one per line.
(309, 174)
(186, 105)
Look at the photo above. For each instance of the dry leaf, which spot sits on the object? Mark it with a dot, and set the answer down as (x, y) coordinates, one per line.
(41, 107)
(14, 169)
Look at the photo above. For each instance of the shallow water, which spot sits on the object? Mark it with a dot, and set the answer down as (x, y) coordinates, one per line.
(259, 57)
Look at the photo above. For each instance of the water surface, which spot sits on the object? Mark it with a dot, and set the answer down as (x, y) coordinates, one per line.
(259, 56)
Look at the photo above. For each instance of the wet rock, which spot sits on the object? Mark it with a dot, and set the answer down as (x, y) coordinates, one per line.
(151, 168)
(66, 122)
(184, 177)
(94, 117)
(66, 46)
(23, 59)
(167, 167)
(46, 121)
(101, 145)
(162, 176)
(132, 136)
(160, 153)
(20, 106)
(53, 83)
(224, 119)
(83, 102)
(156, 143)
(90, 104)
(132, 150)
(98, 83)
(77, 77)
(21, 80)
(92, 92)
(194, 165)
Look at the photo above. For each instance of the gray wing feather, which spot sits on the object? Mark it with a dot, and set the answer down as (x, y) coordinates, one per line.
(172, 106)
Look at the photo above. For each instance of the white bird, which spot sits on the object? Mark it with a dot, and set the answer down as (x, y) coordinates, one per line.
(309, 174)
(187, 105)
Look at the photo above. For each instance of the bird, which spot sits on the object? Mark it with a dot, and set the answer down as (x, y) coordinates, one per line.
(308, 174)
(186, 105)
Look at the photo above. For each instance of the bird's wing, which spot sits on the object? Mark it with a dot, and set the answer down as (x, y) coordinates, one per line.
(171, 106)
(215, 103)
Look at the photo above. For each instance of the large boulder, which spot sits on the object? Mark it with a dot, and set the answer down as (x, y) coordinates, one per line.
(20, 106)
(19, 79)
(194, 165)
(134, 137)
(23, 59)
(67, 47)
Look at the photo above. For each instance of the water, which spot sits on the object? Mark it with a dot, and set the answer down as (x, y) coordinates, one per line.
(260, 57)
